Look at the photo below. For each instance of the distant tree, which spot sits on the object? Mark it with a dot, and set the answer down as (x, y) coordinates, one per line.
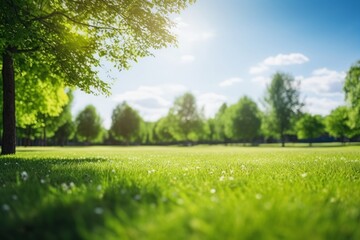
(65, 126)
(243, 120)
(88, 124)
(164, 129)
(68, 39)
(352, 94)
(188, 119)
(310, 127)
(337, 123)
(282, 102)
(126, 123)
(219, 124)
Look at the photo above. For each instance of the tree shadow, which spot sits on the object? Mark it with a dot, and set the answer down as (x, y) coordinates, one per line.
(57, 210)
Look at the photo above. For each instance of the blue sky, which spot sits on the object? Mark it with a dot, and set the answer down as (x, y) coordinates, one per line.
(230, 48)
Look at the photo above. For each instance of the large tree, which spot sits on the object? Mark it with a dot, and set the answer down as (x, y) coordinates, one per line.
(309, 127)
(352, 94)
(126, 123)
(282, 101)
(68, 39)
(243, 120)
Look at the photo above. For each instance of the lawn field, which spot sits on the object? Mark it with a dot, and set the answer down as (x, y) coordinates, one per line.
(181, 193)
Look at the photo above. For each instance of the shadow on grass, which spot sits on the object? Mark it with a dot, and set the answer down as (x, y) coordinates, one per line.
(66, 198)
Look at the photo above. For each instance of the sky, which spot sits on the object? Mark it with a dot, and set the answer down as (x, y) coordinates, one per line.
(231, 48)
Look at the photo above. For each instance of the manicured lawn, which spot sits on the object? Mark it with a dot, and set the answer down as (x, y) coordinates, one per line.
(181, 193)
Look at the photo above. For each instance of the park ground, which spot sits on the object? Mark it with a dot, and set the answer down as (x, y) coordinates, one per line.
(197, 192)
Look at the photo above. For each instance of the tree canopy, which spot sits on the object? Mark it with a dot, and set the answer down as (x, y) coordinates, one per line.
(126, 123)
(68, 40)
(243, 120)
(282, 102)
(352, 94)
(309, 127)
(88, 124)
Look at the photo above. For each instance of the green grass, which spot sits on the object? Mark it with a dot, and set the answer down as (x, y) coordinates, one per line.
(181, 193)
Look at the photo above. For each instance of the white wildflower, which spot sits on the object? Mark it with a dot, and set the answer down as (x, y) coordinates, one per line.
(258, 196)
(5, 207)
(42, 181)
(213, 190)
(221, 178)
(137, 197)
(98, 211)
(303, 175)
(24, 175)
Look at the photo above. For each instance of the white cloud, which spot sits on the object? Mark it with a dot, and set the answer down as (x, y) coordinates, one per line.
(321, 105)
(211, 102)
(230, 82)
(323, 82)
(258, 69)
(187, 58)
(190, 34)
(286, 59)
(279, 60)
(152, 102)
(261, 80)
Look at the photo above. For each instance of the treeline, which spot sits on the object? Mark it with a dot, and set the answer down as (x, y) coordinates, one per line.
(282, 120)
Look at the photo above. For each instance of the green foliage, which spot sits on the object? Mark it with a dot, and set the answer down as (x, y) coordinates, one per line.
(70, 37)
(282, 102)
(310, 127)
(164, 129)
(219, 124)
(180, 193)
(352, 94)
(242, 120)
(126, 123)
(188, 121)
(88, 124)
(337, 123)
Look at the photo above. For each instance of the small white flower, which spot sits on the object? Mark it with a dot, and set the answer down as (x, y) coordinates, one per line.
(303, 175)
(5, 207)
(258, 196)
(42, 181)
(98, 211)
(99, 187)
(137, 197)
(221, 178)
(64, 186)
(213, 190)
(24, 175)
(72, 185)
(113, 171)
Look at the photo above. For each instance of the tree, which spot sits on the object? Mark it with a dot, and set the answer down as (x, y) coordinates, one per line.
(219, 123)
(337, 123)
(164, 129)
(65, 125)
(126, 123)
(352, 94)
(69, 39)
(88, 124)
(310, 127)
(243, 120)
(282, 103)
(189, 121)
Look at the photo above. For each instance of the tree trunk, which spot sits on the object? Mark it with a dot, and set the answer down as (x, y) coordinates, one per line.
(9, 130)
(282, 140)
